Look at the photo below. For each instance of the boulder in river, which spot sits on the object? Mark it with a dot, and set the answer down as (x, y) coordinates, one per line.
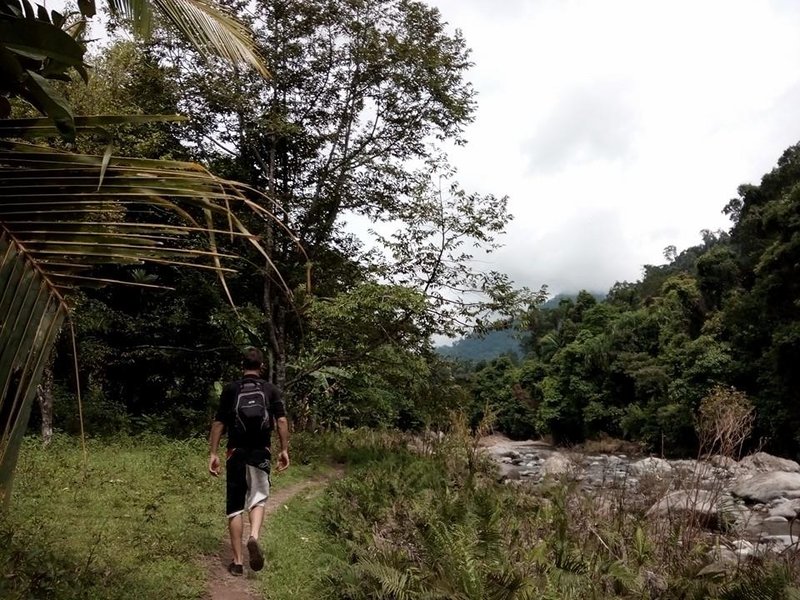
(706, 508)
(761, 461)
(557, 464)
(651, 465)
(788, 509)
(780, 543)
(693, 469)
(723, 462)
(724, 561)
(509, 472)
(763, 487)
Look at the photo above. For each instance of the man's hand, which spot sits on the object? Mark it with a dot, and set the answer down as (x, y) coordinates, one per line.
(283, 460)
(217, 427)
(213, 465)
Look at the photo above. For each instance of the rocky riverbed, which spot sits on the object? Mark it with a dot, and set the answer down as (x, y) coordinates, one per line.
(754, 501)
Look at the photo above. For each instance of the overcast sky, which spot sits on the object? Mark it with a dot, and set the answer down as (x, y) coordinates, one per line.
(619, 127)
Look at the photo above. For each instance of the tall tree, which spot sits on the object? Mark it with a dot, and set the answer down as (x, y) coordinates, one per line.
(434, 249)
(360, 92)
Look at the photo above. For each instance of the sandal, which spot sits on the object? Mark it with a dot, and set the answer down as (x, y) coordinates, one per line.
(256, 556)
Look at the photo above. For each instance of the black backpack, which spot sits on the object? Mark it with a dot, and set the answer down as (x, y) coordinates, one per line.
(251, 410)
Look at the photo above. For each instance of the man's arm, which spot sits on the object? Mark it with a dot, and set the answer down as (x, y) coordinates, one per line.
(217, 427)
(283, 435)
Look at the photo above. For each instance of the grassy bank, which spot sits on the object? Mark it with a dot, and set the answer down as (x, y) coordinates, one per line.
(299, 553)
(129, 523)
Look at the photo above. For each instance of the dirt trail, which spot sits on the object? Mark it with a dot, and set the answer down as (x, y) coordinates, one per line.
(221, 584)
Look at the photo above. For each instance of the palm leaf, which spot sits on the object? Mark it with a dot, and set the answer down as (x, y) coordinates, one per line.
(210, 28)
(32, 315)
(44, 127)
(62, 225)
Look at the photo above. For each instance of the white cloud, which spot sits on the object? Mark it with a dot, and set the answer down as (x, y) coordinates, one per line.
(623, 126)
(594, 121)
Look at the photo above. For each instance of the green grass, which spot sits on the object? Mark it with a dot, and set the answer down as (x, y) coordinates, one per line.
(298, 552)
(132, 523)
(128, 524)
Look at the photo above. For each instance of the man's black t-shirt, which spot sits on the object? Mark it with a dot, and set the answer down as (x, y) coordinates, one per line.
(225, 415)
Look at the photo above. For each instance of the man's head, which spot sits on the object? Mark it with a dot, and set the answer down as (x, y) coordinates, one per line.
(253, 359)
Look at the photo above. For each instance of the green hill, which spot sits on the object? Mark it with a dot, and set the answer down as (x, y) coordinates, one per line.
(486, 347)
(510, 341)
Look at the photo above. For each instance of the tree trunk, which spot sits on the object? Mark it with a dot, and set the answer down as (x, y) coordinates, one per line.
(280, 354)
(44, 395)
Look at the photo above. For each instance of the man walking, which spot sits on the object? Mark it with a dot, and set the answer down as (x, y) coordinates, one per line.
(249, 408)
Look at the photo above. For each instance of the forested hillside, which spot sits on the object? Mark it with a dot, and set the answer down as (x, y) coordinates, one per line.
(484, 347)
(507, 339)
(636, 365)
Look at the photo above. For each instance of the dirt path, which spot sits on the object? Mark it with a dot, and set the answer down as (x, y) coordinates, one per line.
(222, 585)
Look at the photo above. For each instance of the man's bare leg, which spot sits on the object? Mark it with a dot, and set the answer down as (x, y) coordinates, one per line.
(256, 519)
(235, 527)
(253, 549)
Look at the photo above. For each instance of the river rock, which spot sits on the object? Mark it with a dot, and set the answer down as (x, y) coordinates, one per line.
(743, 548)
(556, 464)
(763, 487)
(509, 472)
(651, 465)
(788, 509)
(710, 509)
(693, 469)
(779, 543)
(761, 461)
(716, 569)
(724, 560)
(776, 519)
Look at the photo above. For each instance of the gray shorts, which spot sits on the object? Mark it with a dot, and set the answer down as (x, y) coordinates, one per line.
(247, 480)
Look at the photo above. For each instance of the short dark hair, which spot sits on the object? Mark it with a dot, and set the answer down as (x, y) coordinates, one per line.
(253, 358)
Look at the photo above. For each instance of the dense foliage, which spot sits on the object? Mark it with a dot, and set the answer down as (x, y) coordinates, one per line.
(637, 363)
(349, 123)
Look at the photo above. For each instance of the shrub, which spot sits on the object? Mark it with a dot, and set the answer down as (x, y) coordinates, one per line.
(724, 421)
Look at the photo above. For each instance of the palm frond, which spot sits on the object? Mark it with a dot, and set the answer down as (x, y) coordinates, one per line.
(209, 27)
(64, 219)
(32, 313)
(44, 127)
(36, 48)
